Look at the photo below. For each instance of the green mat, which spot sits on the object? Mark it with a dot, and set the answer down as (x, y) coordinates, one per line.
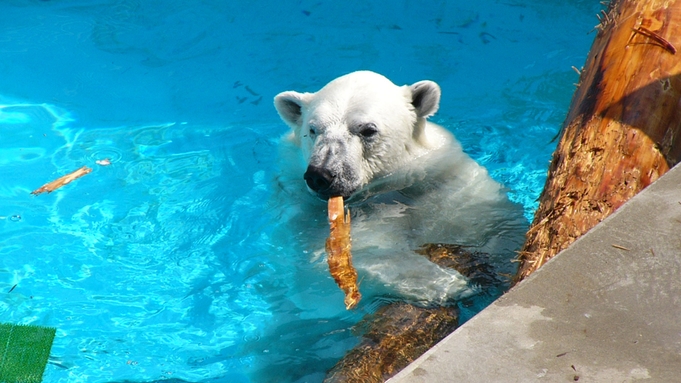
(23, 352)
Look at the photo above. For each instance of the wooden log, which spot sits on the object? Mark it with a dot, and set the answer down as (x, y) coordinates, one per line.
(398, 333)
(623, 130)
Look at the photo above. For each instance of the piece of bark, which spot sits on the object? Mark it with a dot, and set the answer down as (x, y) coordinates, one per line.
(623, 129)
(61, 181)
(339, 257)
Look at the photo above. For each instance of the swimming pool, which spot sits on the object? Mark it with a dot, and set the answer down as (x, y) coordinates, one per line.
(164, 265)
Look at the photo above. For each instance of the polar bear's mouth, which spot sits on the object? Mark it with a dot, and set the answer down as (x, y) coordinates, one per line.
(325, 184)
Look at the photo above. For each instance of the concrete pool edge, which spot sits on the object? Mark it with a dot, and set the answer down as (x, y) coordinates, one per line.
(606, 309)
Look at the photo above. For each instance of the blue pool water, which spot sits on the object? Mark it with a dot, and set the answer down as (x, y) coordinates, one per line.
(164, 265)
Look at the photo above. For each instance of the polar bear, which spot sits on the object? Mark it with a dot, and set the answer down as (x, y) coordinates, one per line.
(406, 180)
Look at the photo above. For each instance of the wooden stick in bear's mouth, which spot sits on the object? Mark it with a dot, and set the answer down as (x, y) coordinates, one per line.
(338, 250)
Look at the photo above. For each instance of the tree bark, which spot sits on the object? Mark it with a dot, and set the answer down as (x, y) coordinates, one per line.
(623, 130)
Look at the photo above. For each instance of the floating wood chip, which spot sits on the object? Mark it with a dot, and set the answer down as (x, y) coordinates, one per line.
(338, 251)
(61, 181)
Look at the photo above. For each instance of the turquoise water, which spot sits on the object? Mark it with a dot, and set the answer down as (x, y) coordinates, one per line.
(165, 265)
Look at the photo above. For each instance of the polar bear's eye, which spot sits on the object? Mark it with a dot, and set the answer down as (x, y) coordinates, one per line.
(313, 132)
(368, 130)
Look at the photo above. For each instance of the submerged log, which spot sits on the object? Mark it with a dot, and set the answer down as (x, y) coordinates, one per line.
(623, 130)
(398, 333)
(473, 265)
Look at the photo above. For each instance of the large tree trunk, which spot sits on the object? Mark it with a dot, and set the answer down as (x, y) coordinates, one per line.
(623, 130)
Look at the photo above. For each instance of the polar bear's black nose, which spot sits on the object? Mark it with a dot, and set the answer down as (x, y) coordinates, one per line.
(318, 179)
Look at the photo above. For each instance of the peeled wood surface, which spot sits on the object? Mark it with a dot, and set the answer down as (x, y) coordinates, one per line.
(622, 131)
(338, 250)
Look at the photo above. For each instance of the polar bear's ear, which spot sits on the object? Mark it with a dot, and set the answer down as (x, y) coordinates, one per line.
(425, 96)
(290, 107)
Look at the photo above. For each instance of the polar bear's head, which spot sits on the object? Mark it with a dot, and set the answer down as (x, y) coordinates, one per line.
(357, 129)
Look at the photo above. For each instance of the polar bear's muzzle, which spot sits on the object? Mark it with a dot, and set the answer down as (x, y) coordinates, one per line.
(331, 167)
(318, 179)
(325, 183)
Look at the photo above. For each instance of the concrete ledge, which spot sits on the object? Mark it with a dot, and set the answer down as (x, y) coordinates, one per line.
(607, 309)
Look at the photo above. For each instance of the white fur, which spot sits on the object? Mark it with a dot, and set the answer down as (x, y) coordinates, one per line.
(408, 184)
